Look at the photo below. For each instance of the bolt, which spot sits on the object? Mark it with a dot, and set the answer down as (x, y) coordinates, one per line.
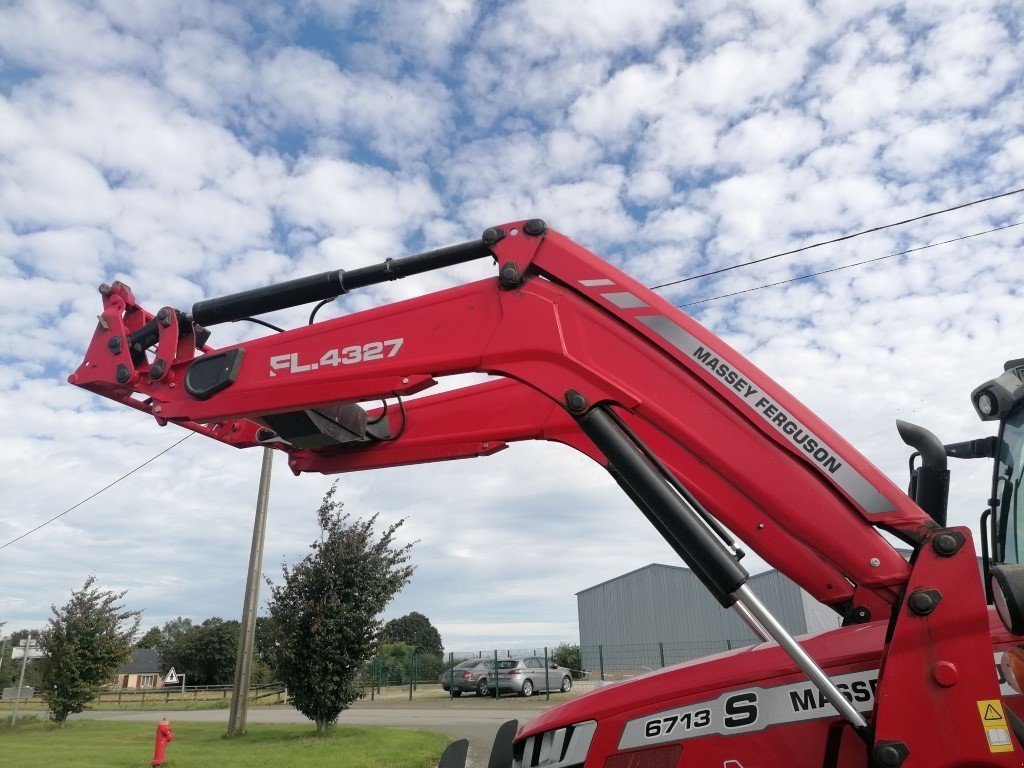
(157, 371)
(760, 526)
(123, 374)
(875, 562)
(860, 614)
(535, 227)
(493, 235)
(509, 276)
(405, 381)
(164, 317)
(948, 544)
(158, 409)
(114, 344)
(924, 601)
(890, 754)
(575, 402)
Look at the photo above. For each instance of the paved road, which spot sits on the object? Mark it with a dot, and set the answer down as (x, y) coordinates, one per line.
(459, 721)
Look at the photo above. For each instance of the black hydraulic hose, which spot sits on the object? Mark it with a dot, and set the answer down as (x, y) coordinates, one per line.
(328, 285)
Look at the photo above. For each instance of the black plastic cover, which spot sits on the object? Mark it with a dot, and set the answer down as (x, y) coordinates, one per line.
(210, 374)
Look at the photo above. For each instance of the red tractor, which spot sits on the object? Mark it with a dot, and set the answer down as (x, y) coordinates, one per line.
(706, 446)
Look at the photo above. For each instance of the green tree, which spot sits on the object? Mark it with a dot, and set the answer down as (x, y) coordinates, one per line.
(151, 639)
(83, 643)
(326, 608)
(568, 655)
(416, 630)
(204, 653)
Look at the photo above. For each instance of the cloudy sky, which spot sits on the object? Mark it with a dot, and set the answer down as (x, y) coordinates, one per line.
(193, 148)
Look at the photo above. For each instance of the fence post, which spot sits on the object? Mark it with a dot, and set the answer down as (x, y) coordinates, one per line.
(661, 652)
(547, 680)
(600, 659)
(408, 669)
(373, 678)
(495, 674)
(451, 675)
(728, 644)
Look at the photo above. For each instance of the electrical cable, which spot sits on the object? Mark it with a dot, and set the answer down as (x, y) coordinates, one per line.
(848, 266)
(316, 309)
(836, 239)
(405, 419)
(101, 490)
(264, 323)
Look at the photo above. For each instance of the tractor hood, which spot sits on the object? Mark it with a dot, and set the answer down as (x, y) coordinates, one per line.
(840, 651)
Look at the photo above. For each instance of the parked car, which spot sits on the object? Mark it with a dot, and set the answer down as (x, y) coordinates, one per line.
(470, 675)
(527, 675)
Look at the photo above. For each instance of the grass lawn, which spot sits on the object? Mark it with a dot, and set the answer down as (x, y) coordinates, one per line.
(91, 744)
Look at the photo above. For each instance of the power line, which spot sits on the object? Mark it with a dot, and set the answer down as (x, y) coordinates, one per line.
(101, 490)
(836, 239)
(848, 266)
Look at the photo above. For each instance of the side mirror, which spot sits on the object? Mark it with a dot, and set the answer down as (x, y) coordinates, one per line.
(1008, 593)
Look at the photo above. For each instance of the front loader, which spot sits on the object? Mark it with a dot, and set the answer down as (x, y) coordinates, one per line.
(705, 445)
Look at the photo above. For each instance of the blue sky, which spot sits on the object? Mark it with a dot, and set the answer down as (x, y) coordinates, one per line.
(193, 148)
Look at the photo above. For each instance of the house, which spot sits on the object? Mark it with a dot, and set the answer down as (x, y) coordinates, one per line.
(143, 671)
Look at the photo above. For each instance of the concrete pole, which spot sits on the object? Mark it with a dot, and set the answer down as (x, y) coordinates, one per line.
(247, 632)
(21, 683)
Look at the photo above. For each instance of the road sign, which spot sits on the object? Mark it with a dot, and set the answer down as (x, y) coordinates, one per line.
(172, 677)
(34, 651)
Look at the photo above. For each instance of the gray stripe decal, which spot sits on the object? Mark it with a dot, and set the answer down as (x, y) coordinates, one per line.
(796, 434)
(596, 283)
(624, 300)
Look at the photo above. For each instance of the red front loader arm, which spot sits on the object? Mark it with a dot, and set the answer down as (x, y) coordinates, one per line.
(588, 357)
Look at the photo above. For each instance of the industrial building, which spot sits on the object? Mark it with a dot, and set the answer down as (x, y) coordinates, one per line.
(662, 614)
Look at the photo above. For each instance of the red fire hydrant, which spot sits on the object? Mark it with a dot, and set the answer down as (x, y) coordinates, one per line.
(164, 734)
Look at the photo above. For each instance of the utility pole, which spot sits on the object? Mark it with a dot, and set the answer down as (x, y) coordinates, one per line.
(247, 632)
(29, 643)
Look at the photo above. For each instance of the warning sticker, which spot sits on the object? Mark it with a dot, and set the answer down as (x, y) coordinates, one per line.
(996, 731)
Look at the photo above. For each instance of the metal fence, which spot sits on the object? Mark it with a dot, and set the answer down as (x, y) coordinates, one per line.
(419, 676)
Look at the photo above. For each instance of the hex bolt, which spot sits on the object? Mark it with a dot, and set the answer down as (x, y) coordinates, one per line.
(123, 374)
(164, 317)
(115, 344)
(890, 754)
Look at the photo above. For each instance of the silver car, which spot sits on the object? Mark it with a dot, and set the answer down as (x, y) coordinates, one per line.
(470, 675)
(527, 675)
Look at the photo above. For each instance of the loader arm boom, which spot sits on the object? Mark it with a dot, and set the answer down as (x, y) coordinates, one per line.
(558, 320)
(705, 444)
